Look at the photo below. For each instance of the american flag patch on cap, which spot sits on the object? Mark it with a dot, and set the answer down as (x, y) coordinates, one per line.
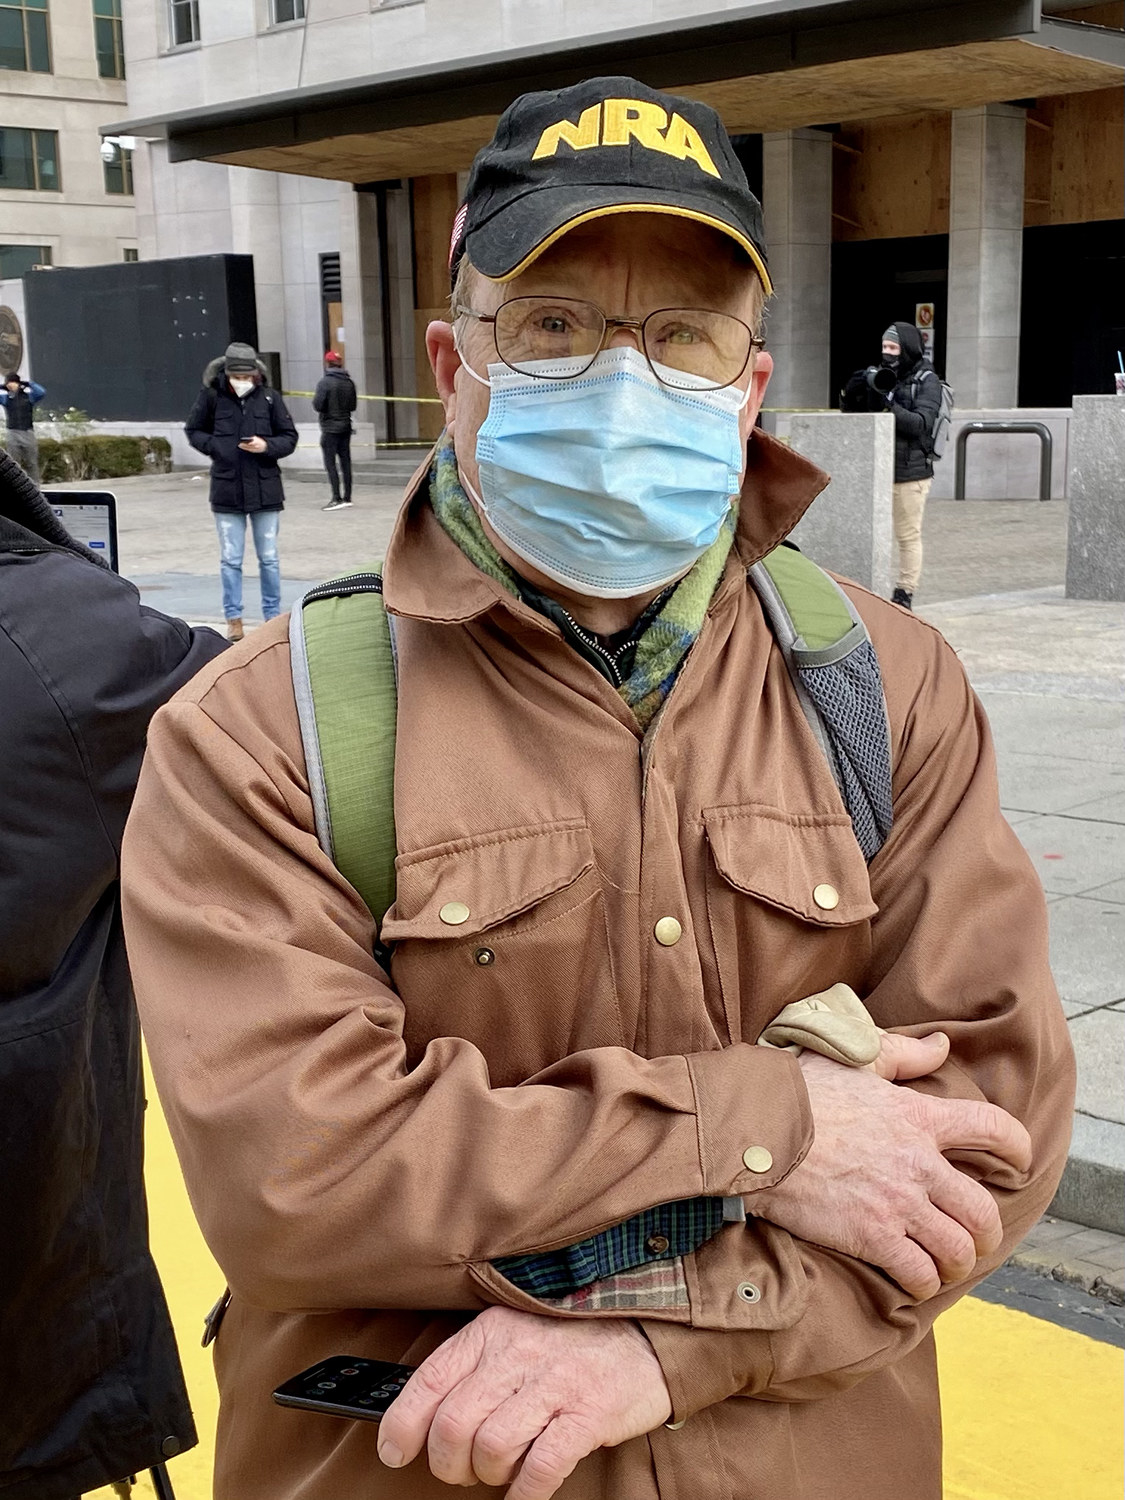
(458, 231)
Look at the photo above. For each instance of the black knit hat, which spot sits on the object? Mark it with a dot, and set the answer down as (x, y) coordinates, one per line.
(604, 146)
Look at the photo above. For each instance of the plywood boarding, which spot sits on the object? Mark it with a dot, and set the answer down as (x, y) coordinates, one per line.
(891, 178)
(1075, 162)
(1112, 15)
(932, 81)
(434, 207)
(421, 151)
(935, 81)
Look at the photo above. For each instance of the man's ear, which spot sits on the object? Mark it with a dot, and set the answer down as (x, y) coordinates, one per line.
(763, 369)
(445, 362)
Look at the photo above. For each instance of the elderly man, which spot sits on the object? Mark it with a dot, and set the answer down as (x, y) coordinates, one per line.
(515, 1130)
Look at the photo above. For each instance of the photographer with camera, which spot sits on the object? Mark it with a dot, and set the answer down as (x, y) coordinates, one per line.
(909, 385)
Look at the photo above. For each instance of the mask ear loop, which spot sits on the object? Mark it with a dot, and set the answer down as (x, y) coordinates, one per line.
(465, 365)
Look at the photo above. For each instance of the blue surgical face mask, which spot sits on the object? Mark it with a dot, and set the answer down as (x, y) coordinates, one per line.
(611, 482)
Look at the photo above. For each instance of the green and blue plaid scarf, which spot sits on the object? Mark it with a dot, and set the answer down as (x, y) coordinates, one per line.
(662, 648)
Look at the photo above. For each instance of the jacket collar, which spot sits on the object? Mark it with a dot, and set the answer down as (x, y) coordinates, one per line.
(428, 577)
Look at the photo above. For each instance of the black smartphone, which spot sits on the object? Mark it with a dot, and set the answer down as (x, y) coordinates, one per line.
(344, 1386)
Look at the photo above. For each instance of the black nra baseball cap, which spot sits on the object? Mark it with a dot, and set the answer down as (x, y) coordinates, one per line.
(604, 146)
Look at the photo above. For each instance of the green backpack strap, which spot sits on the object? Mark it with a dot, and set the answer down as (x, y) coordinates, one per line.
(344, 680)
(835, 673)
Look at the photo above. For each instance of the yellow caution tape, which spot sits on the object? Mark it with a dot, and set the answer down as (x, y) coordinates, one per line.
(421, 400)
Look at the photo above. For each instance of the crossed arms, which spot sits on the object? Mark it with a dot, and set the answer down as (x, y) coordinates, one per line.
(228, 895)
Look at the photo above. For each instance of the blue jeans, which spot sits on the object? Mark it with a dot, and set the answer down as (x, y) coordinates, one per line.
(232, 543)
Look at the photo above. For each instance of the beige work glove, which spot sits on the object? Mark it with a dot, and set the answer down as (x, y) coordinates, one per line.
(834, 1023)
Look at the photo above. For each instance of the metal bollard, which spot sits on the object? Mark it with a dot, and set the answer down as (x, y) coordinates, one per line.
(1046, 451)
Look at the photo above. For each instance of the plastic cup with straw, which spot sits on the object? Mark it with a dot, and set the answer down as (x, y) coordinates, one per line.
(1119, 375)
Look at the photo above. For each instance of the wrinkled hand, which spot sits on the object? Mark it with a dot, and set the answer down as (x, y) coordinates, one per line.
(518, 1399)
(875, 1184)
(253, 445)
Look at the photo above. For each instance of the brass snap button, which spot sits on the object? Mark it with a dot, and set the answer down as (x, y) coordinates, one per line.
(668, 932)
(484, 957)
(749, 1292)
(827, 897)
(757, 1159)
(453, 913)
(657, 1244)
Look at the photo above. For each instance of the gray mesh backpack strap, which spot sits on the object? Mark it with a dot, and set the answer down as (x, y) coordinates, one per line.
(835, 673)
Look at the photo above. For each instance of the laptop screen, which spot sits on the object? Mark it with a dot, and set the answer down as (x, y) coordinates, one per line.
(91, 518)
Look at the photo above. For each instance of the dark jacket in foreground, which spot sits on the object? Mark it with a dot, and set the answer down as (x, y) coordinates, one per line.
(334, 401)
(219, 421)
(90, 1383)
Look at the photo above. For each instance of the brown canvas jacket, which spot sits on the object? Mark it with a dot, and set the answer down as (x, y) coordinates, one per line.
(359, 1147)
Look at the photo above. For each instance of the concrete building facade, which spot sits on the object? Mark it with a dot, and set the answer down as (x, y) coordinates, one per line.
(65, 194)
(939, 161)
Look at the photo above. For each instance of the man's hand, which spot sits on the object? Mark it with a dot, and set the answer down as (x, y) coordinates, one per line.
(875, 1184)
(512, 1386)
(253, 445)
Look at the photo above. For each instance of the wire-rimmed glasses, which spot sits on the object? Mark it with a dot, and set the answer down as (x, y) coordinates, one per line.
(711, 349)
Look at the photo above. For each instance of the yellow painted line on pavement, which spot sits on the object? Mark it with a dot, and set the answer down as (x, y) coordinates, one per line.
(1032, 1411)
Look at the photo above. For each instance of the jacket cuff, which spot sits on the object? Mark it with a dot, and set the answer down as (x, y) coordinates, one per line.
(702, 1367)
(753, 1117)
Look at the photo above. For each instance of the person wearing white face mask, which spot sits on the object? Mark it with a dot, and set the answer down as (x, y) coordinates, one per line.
(244, 428)
(459, 1046)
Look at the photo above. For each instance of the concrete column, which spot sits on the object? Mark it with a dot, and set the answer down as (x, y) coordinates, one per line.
(797, 202)
(361, 290)
(985, 254)
(848, 527)
(1095, 543)
(255, 222)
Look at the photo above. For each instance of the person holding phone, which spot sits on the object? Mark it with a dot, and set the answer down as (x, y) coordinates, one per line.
(244, 428)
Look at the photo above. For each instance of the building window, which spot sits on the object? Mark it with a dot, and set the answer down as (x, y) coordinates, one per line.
(108, 43)
(129, 253)
(117, 165)
(185, 22)
(29, 159)
(288, 10)
(25, 45)
(15, 260)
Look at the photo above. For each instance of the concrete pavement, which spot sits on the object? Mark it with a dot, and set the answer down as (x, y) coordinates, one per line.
(1049, 671)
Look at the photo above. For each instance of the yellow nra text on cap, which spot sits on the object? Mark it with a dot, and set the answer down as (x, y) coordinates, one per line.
(616, 122)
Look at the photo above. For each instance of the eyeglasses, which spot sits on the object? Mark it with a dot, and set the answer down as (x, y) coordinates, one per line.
(711, 348)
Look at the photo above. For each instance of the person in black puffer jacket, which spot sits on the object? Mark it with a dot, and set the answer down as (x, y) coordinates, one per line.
(244, 428)
(334, 401)
(90, 1384)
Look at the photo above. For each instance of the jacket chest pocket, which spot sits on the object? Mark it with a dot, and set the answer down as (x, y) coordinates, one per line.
(228, 419)
(790, 909)
(501, 939)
